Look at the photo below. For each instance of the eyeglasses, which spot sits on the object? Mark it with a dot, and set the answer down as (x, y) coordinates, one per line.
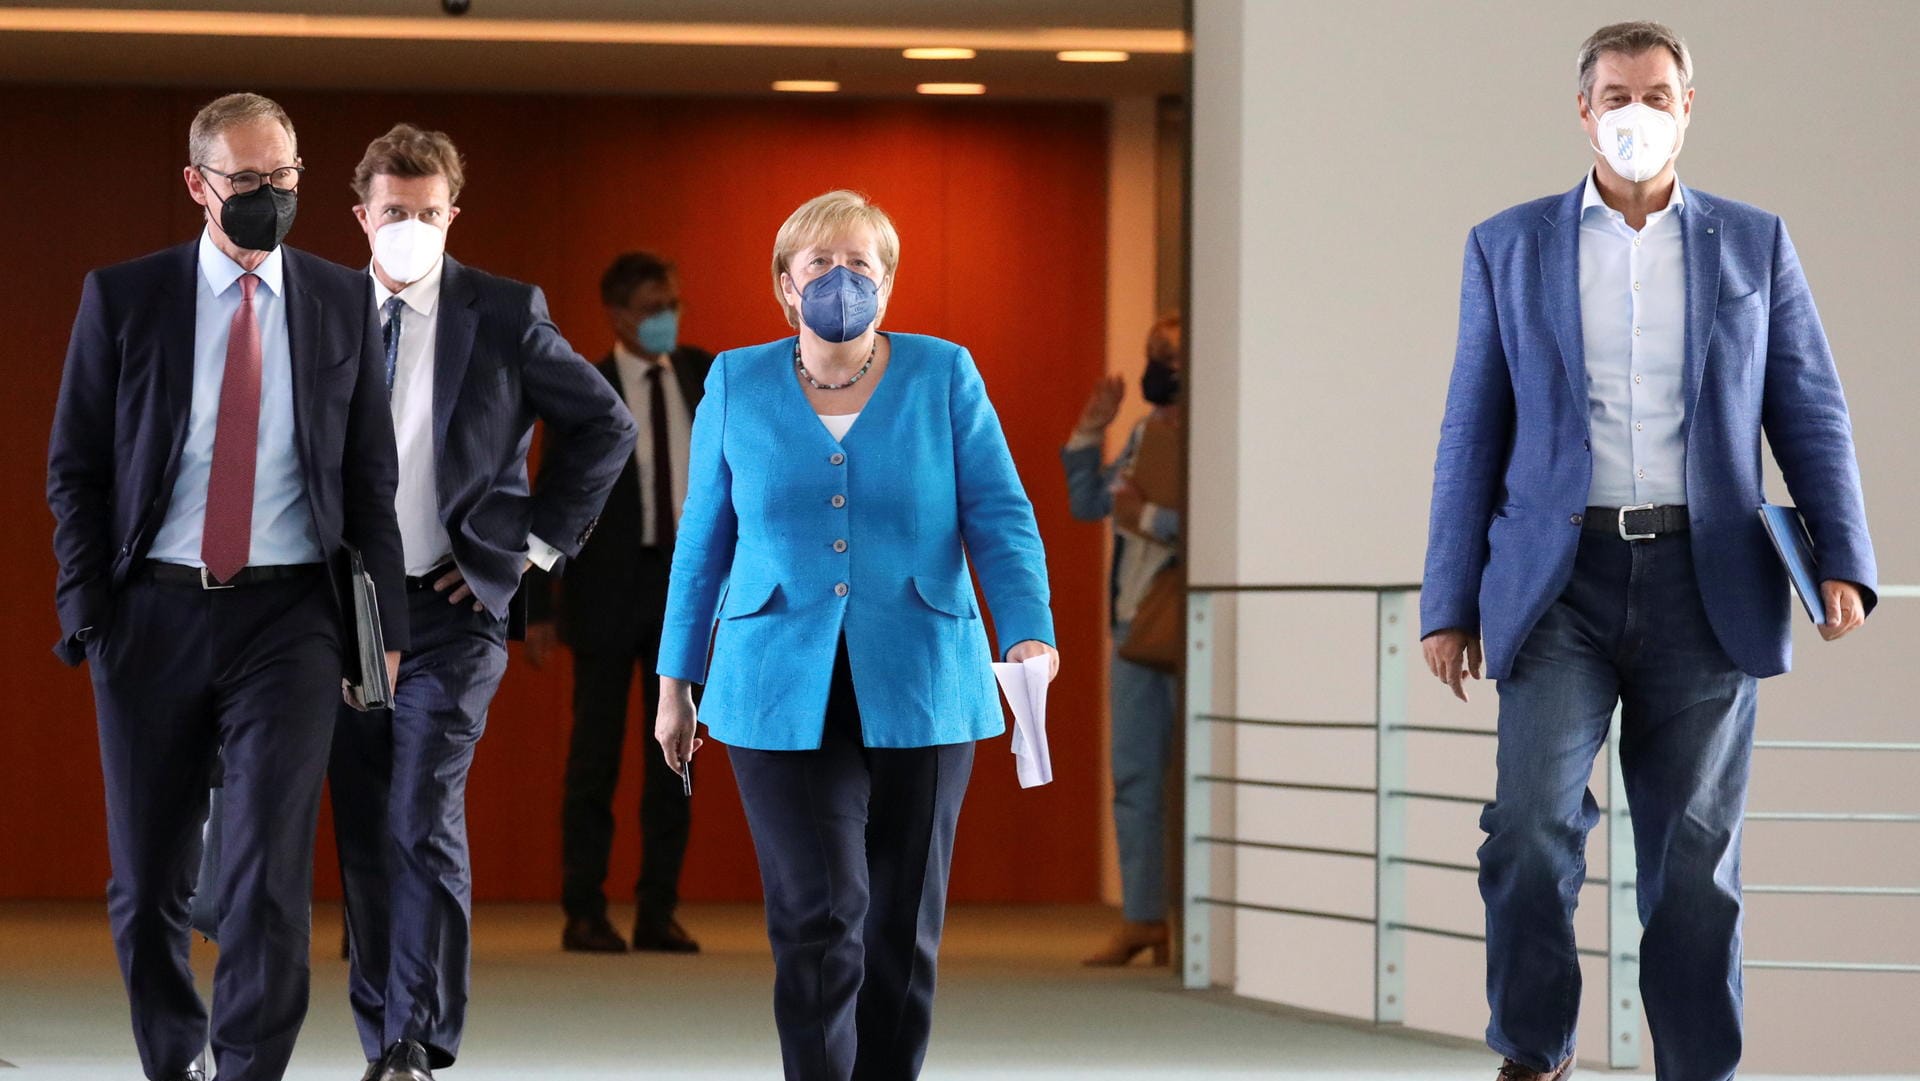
(285, 178)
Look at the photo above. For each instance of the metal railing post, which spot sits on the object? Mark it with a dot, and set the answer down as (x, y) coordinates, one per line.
(1623, 917)
(1197, 951)
(1390, 810)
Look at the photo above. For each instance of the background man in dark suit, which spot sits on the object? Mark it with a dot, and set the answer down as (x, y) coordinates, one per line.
(610, 605)
(473, 360)
(221, 433)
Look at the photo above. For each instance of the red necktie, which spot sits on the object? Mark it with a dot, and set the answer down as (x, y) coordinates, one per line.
(227, 534)
(662, 498)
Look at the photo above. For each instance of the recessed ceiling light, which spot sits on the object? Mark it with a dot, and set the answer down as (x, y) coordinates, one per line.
(1094, 56)
(806, 86)
(952, 88)
(939, 54)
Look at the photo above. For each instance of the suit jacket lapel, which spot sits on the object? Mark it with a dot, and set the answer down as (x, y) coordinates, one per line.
(305, 316)
(176, 351)
(1700, 245)
(692, 383)
(1560, 286)
(453, 348)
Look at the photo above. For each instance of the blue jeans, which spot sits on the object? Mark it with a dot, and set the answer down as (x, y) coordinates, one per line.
(1630, 628)
(1144, 706)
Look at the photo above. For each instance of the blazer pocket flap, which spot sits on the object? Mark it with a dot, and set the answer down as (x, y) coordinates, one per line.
(1751, 296)
(748, 598)
(945, 597)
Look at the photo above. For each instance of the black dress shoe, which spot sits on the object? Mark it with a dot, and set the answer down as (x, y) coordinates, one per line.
(592, 936)
(668, 937)
(405, 1061)
(190, 1075)
(373, 1071)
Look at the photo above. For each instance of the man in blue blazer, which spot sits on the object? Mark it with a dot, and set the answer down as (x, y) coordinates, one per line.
(221, 436)
(472, 361)
(1623, 347)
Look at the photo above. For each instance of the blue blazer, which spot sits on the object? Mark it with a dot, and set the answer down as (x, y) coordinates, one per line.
(121, 422)
(1515, 467)
(922, 484)
(500, 364)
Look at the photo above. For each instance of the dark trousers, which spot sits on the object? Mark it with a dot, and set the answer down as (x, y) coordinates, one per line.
(1630, 629)
(602, 691)
(399, 783)
(252, 674)
(854, 844)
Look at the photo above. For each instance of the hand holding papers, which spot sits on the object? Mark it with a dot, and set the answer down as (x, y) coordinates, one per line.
(1025, 685)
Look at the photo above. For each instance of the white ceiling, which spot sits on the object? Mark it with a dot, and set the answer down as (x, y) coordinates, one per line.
(598, 46)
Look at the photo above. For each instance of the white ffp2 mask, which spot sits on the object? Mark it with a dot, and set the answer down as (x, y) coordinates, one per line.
(407, 250)
(1637, 141)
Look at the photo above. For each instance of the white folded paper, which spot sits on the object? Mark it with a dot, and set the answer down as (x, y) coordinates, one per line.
(1025, 685)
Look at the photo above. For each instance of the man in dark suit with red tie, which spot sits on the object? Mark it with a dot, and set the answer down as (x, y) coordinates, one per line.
(473, 361)
(611, 602)
(221, 435)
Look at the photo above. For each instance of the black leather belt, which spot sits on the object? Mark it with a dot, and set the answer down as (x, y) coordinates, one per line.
(420, 583)
(1636, 523)
(173, 574)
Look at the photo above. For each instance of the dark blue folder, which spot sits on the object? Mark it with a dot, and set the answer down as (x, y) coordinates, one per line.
(1790, 539)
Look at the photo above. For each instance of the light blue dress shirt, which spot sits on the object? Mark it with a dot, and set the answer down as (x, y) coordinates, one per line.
(282, 522)
(1633, 322)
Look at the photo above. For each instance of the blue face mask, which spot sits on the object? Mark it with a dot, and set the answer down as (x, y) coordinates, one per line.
(659, 333)
(840, 305)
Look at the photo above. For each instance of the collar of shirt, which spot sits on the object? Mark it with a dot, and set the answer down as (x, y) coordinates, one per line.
(1594, 199)
(422, 296)
(221, 271)
(627, 358)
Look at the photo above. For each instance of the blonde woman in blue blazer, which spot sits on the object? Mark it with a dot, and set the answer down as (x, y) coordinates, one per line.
(840, 482)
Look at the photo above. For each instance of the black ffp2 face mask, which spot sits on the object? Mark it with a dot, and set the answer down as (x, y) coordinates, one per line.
(260, 219)
(1160, 384)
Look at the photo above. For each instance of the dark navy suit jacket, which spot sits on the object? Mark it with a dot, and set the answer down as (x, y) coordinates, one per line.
(601, 600)
(499, 364)
(121, 420)
(1514, 465)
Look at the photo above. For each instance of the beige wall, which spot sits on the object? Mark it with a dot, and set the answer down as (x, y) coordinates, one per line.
(1341, 153)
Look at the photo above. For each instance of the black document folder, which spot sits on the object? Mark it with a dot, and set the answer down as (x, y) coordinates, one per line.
(367, 656)
(1790, 539)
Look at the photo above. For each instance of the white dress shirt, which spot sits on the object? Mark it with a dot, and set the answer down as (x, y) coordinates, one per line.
(423, 536)
(634, 386)
(1633, 308)
(282, 521)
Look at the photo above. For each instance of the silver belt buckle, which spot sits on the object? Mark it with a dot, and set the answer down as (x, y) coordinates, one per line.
(207, 582)
(1626, 536)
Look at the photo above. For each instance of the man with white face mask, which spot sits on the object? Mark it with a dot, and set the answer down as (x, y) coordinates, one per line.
(472, 360)
(1595, 529)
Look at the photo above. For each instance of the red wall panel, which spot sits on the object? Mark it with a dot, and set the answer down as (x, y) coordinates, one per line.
(1002, 211)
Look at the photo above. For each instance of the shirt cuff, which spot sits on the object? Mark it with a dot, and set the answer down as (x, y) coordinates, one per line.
(1082, 440)
(544, 555)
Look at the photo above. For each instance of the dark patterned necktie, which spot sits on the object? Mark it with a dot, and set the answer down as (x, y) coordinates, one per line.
(390, 337)
(662, 457)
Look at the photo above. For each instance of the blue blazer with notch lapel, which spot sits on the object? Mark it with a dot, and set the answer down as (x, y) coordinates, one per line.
(922, 484)
(1514, 465)
(499, 364)
(121, 420)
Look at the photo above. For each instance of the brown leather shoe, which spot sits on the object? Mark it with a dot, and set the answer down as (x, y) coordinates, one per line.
(591, 936)
(1514, 1071)
(1132, 939)
(667, 937)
